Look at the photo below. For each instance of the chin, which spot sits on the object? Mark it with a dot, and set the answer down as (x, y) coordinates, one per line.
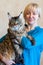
(31, 22)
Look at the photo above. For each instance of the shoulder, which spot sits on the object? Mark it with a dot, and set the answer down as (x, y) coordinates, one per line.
(41, 29)
(2, 38)
(38, 34)
(38, 29)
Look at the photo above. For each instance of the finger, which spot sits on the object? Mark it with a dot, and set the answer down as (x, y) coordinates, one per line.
(1, 56)
(14, 62)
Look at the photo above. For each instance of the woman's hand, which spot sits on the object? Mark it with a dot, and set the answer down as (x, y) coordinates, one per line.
(1, 56)
(6, 61)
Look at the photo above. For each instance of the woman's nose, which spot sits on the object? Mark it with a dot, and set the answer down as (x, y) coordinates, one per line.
(31, 15)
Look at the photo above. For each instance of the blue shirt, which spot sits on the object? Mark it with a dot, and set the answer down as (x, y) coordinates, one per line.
(1, 39)
(32, 53)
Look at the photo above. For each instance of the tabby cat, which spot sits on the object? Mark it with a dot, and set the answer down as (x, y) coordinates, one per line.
(10, 46)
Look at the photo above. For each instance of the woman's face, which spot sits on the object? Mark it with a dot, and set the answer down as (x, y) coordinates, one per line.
(31, 16)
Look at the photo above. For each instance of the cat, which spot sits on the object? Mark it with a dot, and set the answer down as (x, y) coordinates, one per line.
(11, 47)
(18, 27)
(7, 46)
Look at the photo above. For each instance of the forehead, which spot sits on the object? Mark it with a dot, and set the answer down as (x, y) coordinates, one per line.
(32, 9)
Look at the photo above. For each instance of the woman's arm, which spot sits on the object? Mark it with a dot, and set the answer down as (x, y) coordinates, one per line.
(1, 56)
(26, 43)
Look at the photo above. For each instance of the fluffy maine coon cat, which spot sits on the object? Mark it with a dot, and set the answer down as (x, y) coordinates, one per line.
(10, 46)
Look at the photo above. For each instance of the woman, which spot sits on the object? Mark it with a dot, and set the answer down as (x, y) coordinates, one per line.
(31, 53)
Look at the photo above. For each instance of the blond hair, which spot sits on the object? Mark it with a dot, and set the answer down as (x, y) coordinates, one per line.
(31, 5)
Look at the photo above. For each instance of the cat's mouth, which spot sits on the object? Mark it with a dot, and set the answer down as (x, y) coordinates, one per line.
(15, 28)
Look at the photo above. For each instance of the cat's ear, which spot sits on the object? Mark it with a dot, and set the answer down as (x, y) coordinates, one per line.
(20, 14)
(9, 16)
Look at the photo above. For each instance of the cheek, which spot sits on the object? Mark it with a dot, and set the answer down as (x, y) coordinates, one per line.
(36, 17)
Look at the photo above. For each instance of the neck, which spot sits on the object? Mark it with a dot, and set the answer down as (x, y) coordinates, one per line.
(31, 27)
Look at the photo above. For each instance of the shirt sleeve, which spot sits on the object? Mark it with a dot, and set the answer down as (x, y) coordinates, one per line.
(26, 43)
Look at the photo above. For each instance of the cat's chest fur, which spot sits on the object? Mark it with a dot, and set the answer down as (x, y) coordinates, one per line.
(6, 49)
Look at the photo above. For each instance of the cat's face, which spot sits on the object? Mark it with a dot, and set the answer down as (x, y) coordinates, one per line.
(15, 23)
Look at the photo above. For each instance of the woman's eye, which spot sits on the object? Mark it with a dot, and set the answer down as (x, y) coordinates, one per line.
(28, 12)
